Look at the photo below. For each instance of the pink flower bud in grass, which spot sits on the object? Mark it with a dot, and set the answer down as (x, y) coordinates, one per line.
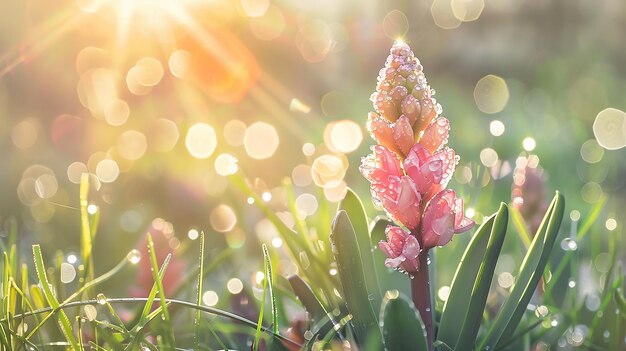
(443, 217)
(401, 248)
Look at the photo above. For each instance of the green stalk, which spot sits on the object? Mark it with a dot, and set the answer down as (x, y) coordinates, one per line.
(420, 292)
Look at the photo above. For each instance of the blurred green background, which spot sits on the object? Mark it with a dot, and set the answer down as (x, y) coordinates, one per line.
(160, 100)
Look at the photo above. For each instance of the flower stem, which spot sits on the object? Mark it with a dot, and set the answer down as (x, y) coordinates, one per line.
(420, 291)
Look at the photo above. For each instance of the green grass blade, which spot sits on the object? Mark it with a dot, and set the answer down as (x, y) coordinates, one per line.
(199, 294)
(64, 321)
(456, 306)
(257, 334)
(169, 339)
(356, 212)
(269, 275)
(483, 280)
(592, 218)
(401, 325)
(345, 247)
(144, 319)
(106, 276)
(86, 236)
(530, 272)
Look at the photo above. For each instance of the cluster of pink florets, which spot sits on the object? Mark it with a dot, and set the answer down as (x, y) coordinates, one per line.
(410, 167)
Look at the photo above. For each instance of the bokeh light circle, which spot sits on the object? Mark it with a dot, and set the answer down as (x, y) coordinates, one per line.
(609, 128)
(491, 94)
(343, 136)
(260, 140)
(395, 24)
(591, 151)
(132, 145)
(201, 140)
(328, 171)
(223, 218)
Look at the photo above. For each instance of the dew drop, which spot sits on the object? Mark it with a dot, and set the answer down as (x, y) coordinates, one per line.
(569, 244)
(134, 256)
(101, 299)
(541, 311)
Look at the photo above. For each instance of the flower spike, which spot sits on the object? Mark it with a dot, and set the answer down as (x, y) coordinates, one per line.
(411, 166)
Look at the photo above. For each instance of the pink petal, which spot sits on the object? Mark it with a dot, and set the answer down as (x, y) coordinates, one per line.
(386, 249)
(435, 135)
(438, 220)
(461, 223)
(394, 262)
(382, 131)
(411, 247)
(407, 206)
(411, 108)
(427, 114)
(388, 160)
(403, 134)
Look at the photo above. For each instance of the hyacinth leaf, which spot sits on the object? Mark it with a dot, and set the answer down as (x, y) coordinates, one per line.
(401, 325)
(529, 274)
(350, 268)
(483, 280)
(64, 321)
(356, 212)
(456, 306)
(308, 299)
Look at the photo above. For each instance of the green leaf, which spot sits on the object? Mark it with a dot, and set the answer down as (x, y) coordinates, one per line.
(482, 283)
(308, 299)
(530, 272)
(401, 325)
(456, 307)
(356, 212)
(64, 321)
(350, 267)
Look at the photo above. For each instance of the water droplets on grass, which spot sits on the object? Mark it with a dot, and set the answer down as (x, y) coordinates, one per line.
(134, 256)
(541, 311)
(101, 299)
(569, 244)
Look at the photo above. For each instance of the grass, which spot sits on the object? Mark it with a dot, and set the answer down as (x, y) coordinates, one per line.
(36, 314)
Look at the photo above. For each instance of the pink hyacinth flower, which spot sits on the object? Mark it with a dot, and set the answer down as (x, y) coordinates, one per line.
(430, 172)
(401, 249)
(390, 188)
(443, 217)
